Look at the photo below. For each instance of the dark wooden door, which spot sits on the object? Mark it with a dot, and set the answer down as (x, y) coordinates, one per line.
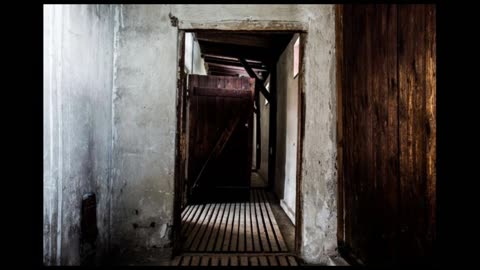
(220, 138)
(389, 147)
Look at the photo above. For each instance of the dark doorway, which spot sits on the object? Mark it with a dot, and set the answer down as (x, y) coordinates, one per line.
(228, 140)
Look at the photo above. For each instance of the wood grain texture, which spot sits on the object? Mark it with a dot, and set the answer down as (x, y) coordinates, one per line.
(234, 259)
(338, 79)
(180, 150)
(248, 227)
(431, 126)
(388, 130)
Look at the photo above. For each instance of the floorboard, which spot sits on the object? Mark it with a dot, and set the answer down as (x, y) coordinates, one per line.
(233, 234)
(234, 259)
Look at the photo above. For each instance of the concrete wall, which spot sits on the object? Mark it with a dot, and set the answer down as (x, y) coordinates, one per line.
(287, 131)
(78, 73)
(144, 128)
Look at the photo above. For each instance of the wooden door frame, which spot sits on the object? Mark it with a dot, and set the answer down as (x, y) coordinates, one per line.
(237, 26)
(339, 75)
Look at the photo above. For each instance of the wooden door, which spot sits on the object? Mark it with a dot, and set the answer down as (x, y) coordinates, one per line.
(389, 147)
(220, 138)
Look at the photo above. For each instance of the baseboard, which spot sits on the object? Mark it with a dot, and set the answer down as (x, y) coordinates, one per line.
(288, 211)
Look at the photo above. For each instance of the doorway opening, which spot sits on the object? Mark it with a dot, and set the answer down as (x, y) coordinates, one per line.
(239, 144)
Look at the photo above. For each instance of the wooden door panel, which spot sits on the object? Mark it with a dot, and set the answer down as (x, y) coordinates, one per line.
(388, 112)
(220, 110)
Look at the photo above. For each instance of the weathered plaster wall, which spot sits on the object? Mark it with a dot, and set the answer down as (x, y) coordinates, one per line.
(287, 125)
(319, 175)
(144, 128)
(144, 120)
(78, 73)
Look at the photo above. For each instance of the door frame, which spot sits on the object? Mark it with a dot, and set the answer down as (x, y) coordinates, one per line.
(237, 26)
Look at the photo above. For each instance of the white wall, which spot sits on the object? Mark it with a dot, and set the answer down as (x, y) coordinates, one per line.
(144, 128)
(193, 60)
(287, 131)
(78, 76)
(264, 129)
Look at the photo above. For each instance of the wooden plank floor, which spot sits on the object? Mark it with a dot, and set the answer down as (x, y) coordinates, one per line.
(229, 259)
(233, 234)
(232, 227)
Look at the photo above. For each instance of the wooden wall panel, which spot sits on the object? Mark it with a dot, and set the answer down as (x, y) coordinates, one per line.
(431, 127)
(411, 78)
(388, 125)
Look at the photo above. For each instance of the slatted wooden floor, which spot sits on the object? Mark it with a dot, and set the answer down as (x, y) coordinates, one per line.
(244, 233)
(235, 260)
(232, 227)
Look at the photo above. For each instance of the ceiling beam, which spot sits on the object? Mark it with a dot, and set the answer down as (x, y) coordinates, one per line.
(226, 58)
(259, 54)
(252, 74)
(264, 41)
(213, 64)
(236, 63)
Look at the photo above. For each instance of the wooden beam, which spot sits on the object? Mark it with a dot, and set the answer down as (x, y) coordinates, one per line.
(233, 62)
(339, 76)
(238, 66)
(180, 142)
(300, 140)
(259, 54)
(226, 58)
(238, 39)
(258, 81)
(242, 25)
